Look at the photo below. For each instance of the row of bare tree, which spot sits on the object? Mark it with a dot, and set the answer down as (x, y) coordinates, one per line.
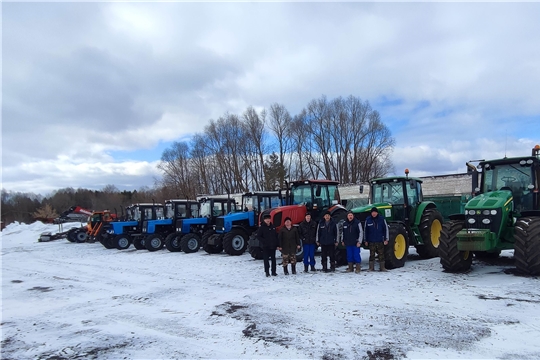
(342, 139)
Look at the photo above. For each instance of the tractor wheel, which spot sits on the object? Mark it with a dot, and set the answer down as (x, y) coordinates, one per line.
(300, 252)
(341, 257)
(81, 236)
(487, 255)
(452, 259)
(211, 249)
(172, 242)
(107, 241)
(395, 253)
(256, 252)
(527, 245)
(154, 242)
(71, 235)
(122, 241)
(235, 242)
(190, 243)
(430, 231)
(138, 242)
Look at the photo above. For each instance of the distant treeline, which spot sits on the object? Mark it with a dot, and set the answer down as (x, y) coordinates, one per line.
(342, 139)
(26, 207)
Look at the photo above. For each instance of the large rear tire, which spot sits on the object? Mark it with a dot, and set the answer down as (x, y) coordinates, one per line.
(235, 242)
(527, 245)
(430, 232)
(256, 252)
(154, 242)
(395, 253)
(71, 235)
(122, 241)
(190, 243)
(107, 241)
(138, 243)
(172, 242)
(452, 259)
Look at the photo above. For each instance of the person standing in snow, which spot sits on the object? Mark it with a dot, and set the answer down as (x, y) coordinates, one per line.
(327, 240)
(289, 243)
(308, 234)
(268, 238)
(352, 240)
(376, 237)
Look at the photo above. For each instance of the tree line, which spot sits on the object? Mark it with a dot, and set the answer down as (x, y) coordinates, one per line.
(341, 139)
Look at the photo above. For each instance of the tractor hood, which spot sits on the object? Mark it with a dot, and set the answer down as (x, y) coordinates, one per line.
(367, 208)
(490, 200)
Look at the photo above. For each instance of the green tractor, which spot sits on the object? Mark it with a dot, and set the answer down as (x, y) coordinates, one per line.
(410, 219)
(504, 214)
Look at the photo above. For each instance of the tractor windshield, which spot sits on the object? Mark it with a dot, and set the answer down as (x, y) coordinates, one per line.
(259, 203)
(512, 177)
(206, 209)
(195, 210)
(391, 192)
(301, 194)
(181, 211)
(169, 210)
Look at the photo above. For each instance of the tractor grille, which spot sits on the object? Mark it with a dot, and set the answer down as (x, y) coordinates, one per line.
(220, 223)
(479, 218)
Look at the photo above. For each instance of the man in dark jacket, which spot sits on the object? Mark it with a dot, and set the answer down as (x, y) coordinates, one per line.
(268, 238)
(352, 240)
(308, 234)
(327, 240)
(289, 243)
(376, 236)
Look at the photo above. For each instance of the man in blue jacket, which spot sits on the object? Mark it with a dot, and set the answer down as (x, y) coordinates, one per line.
(352, 240)
(376, 237)
(327, 240)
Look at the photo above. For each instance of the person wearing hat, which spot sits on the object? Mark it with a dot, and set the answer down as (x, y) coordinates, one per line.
(376, 237)
(327, 240)
(268, 238)
(289, 243)
(353, 234)
(308, 235)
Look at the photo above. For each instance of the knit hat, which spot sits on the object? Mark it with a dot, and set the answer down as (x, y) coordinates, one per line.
(327, 213)
(266, 216)
(375, 209)
(287, 218)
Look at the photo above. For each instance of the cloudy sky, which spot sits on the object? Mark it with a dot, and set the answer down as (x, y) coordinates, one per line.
(92, 93)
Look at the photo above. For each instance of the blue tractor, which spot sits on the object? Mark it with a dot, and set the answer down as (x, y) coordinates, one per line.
(232, 231)
(158, 230)
(189, 230)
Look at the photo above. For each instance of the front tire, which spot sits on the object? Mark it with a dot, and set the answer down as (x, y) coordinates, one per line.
(235, 242)
(527, 245)
(190, 243)
(395, 253)
(154, 242)
(138, 243)
(172, 242)
(211, 249)
(452, 259)
(122, 241)
(430, 232)
(81, 236)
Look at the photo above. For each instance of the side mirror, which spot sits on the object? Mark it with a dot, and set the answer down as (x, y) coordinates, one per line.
(344, 203)
(361, 189)
(318, 191)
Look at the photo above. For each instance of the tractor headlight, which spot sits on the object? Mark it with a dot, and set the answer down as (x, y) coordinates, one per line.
(485, 212)
(472, 212)
(493, 212)
(471, 221)
(486, 221)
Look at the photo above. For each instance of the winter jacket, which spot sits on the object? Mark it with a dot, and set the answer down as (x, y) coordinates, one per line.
(289, 239)
(352, 232)
(376, 229)
(268, 236)
(327, 234)
(308, 232)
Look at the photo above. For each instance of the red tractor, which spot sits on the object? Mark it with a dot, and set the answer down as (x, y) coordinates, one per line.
(315, 196)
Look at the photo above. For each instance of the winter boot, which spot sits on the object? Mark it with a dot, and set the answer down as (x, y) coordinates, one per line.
(350, 268)
(285, 270)
(267, 274)
(332, 267)
(358, 268)
(313, 268)
(371, 266)
(381, 266)
(293, 266)
(324, 268)
(306, 268)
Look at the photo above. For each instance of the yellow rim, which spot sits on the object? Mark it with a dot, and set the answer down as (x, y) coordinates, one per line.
(436, 228)
(466, 255)
(399, 246)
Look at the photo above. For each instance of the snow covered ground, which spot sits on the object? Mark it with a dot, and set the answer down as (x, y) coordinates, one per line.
(62, 300)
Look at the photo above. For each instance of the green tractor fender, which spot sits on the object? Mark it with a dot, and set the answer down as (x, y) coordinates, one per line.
(423, 206)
